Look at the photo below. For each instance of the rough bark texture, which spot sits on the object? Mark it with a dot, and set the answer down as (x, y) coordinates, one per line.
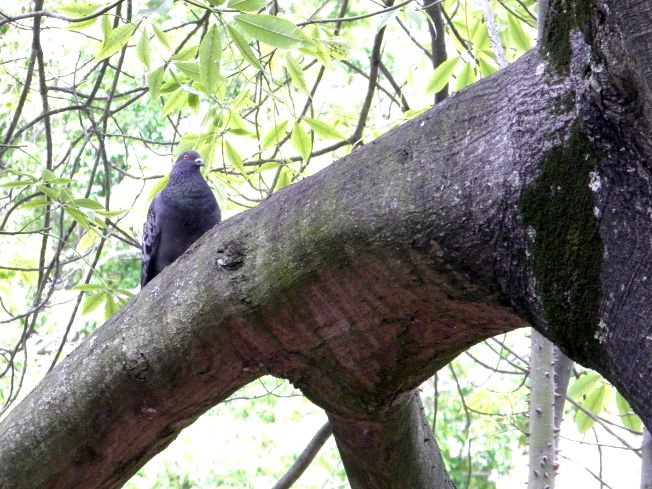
(527, 197)
(397, 447)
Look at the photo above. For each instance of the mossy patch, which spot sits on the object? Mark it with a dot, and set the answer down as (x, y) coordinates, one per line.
(563, 17)
(567, 246)
(564, 104)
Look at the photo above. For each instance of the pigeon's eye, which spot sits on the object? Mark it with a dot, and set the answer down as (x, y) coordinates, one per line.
(185, 157)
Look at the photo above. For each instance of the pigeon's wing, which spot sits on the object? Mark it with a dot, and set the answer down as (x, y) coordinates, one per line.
(151, 238)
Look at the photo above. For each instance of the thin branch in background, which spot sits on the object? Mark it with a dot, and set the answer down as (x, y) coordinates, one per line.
(520, 17)
(492, 30)
(417, 44)
(435, 401)
(357, 17)
(38, 13)
(439, 54)
(604, 423)
(405, 106)
(305, 458)
(374, 63)
(595, 476)
(467, 415)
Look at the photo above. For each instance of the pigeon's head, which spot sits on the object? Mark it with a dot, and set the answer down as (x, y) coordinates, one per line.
(189, 159)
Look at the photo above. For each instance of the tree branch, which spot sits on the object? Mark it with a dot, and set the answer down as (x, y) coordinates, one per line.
(304, 460)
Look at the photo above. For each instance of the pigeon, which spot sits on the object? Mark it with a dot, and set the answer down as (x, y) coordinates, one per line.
(184, 210)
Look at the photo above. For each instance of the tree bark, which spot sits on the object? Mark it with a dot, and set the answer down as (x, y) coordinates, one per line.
(398, 447)
(525, 198)
(541, 426)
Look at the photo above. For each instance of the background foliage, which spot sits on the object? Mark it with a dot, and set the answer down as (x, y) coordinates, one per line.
(96, 98)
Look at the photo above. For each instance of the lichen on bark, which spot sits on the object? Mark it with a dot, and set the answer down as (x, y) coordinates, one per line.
(567, 247)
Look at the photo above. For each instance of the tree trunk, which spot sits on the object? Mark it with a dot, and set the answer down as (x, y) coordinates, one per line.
(541, 428)
(646, 461)
(525, 198)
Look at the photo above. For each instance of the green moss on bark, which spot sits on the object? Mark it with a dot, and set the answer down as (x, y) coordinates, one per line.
(563, 17)
(567, 247)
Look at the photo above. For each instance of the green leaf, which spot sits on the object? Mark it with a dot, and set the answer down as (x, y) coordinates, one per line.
(88, 287)
(99, 223)
(593, 403)
(92, 302)
(284, 178)
(17, 173)
(247, 5)
(106, 25)
(124, 292)
(186, 143)
(301, 141)
(102, 212)
(115, 41)
(193, 102)
(276, 32)
(243, 46)
(175, 102)
(627, 416)
(16, 184)
(160, 185)
(338, 48)
(47, 175)
(322, 129)
(155, 82)
(237, 124)
(111, 306)
(274, 135)
(296, 74)
(78, 216)
(243, 100)
(80, 26)
(519, 37)
(53, 194)
(186, 54)
(59, 180)
(86, 243)
(234, 158)
(582, 385)
(79, 9)
(386, 18)
(191, 70)
(169, 86)
(442, 75)
(31, 204)
(86, 203)
(162, 37)
(480, 36)
(465, 78)
(270, 165)
(210, 52)
(488, 64)
(144, 50)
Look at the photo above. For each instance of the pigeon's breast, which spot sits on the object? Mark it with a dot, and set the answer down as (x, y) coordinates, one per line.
(183, 221)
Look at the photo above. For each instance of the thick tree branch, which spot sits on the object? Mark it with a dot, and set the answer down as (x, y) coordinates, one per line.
(392, 250)
(398, 447)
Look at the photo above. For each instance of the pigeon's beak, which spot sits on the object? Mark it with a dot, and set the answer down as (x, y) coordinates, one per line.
(199, 162)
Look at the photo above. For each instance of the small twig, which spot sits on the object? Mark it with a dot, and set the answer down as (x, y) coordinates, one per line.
(44, 13)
